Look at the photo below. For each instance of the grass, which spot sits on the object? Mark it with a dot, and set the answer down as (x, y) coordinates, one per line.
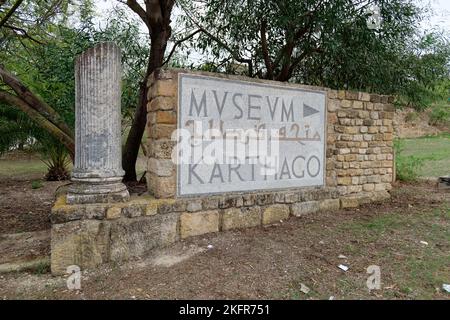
(15, 168)
(424, 267)
(435, 151)
(35, 167)
(42, 267)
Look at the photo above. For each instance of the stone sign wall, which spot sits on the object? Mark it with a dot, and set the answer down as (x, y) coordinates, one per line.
(358, 135)
(256, 136)
(358, 168)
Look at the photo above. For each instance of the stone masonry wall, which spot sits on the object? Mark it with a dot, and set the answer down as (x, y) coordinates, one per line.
(359, 137)
(359, 169)
(360, 155)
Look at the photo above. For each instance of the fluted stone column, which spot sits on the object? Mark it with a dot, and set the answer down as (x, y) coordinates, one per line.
(97, 173)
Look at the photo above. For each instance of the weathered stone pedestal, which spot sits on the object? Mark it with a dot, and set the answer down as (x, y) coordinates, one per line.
(97, 174)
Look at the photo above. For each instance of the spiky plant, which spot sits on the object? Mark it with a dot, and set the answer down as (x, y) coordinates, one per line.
(57, 161)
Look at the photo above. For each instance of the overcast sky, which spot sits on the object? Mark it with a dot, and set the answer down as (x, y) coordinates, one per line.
(441, 15)
(440, 18)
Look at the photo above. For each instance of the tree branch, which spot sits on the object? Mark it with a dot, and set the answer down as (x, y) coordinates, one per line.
(178, 42)
(133, 5)
(265, 49)
(235, 56)
(300, 58)
(10, 12)
(33, 101)
(24, 33)
(40, 120)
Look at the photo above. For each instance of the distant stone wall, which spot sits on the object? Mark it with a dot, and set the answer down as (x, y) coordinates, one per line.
(408, 123)
(359, 169)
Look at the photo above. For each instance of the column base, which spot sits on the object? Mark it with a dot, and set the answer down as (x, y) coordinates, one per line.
(97, 190)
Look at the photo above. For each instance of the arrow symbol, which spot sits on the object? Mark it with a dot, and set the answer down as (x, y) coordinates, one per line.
(308, 111)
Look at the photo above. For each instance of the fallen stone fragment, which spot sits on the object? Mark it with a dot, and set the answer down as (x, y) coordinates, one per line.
(304, 288)
(343, 267)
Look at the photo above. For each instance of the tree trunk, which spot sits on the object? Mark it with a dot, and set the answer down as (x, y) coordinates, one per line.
(131, 150)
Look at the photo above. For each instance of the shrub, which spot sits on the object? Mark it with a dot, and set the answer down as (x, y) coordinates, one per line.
(440, 115)
(407, 167)
(411, 117)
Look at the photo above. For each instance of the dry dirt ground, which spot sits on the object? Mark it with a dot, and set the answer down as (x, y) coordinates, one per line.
(24, 222)
(408, 237)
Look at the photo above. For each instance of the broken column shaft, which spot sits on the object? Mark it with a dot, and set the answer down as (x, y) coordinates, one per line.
(97, 173)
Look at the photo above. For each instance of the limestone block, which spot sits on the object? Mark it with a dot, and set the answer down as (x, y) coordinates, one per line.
(349, 202)
(113, 213)
(346, 104)
(302, 208)
(275, 213)
(333, 105)
(332, 94)
(194, 205)
(368, 187)
(163, 88)
(83, 243)
(291, 197)
(351, 95)
(341, 94)
(344, 181)
(133, 238)
(161, 149)
(249, 199)
(198, 223)
(363, 96)
(151, 209)
(265, 199)
(358, 105)
(227, 202)
(375, 98)
(279, 198)
(62, 212)
(235, 218)
(329, 204)
(165, 117)
(179, 205)
(161, 103)
(161, 187)
(210, 203)
(162, 131)
(161, 167)
(133, 211)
